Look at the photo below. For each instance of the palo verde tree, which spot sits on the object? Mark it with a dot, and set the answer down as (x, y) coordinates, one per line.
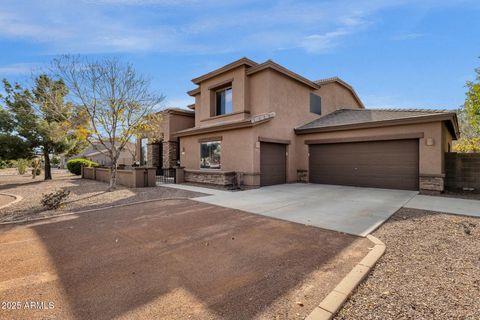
(115, 100)
(41, 117)
(469, 118)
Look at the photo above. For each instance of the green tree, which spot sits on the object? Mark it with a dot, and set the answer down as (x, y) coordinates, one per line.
(472, 102)
(11, 146)
(41, 117)
(469, 118)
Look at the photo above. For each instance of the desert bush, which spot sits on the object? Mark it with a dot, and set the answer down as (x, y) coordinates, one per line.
(11, 163)
(54, 200)
(37, 171)
(75, 165)
(3, 164)
(22, 166)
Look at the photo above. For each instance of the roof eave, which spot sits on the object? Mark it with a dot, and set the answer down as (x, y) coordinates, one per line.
(194, 92)
(383, 123)
(269, 64)
(223, 127)
(225, 68)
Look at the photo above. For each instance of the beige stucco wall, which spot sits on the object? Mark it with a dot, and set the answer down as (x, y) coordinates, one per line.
(431, 157)
(237, 150)
(335, 96)
(270, 91)
(205, 100)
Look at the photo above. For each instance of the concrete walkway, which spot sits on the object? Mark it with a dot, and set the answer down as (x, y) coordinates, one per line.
(444, 204)
(346, 209)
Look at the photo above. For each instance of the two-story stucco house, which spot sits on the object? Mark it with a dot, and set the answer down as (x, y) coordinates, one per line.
(262, 124)
(274, 126)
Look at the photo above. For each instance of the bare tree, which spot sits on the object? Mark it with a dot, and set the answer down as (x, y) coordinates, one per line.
(115, 100)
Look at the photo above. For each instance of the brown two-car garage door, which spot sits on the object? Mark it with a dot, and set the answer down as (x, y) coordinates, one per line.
(273, 163)
(378, 164)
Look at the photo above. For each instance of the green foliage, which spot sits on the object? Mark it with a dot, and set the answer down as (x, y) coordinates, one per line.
(40, 118)
(75, 165)
(55, 161)
(3, 164)
(22, 166)
(472, 102)
(54, 200)
(469, 119)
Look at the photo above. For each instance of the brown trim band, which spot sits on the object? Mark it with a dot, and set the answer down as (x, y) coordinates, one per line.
(225, 115)
(271, 140)
(210, 139)
(221, 84)
(413, 135)
(221, 127)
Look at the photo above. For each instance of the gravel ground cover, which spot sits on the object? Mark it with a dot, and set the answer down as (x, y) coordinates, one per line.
(461, 194)
(431, 270)
(84, 194)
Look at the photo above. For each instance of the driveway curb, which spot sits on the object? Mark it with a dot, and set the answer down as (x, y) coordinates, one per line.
(89, 210)
(329, 306)
(17, 199)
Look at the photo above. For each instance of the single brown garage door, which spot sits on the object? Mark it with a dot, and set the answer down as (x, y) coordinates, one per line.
(377, 164)
(273, 163)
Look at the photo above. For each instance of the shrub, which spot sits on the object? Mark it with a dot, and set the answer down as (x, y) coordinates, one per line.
(75, 165)
(22, 166)
(54, 200)
(38, 171)
(3, 164)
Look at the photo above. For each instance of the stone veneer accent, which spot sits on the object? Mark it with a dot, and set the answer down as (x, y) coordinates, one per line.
(431, 183)
(153, 155)
(302, 175)
(170, 152)
(223, 178)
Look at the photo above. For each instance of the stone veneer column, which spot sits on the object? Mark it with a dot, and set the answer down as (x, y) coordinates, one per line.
(170, 151)
(431, 183)
(153, 156)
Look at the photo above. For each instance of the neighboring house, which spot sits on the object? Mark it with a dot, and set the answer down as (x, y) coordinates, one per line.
(274, 126)
(159, 148)
(100, 155)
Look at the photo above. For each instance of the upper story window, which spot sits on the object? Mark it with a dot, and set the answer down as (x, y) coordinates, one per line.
(315, 104)
(223, 101)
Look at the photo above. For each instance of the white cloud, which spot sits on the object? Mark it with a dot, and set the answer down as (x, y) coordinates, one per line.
(185, 26)
(18, 69)
(408, 36)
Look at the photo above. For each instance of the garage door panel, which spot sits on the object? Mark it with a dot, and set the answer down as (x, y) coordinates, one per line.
(383, 164)
(273, 163)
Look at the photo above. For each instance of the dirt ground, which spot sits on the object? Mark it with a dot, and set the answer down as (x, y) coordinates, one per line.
(431, 270)
(176, 259)
(4, 200)
(84, 194)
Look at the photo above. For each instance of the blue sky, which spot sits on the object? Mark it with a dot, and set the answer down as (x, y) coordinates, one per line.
(395, 53)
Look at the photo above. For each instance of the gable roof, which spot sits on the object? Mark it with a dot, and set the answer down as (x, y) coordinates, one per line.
(225, 68)
(345, 119)
(343, 83)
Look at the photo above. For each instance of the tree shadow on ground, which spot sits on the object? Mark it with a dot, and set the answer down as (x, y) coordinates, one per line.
(233, 263)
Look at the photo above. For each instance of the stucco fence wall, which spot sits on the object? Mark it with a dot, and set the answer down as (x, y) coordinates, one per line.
(462, 170)
(133, 178)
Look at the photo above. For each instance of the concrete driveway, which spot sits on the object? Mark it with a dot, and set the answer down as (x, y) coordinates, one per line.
(177, 259)
(346, 209)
